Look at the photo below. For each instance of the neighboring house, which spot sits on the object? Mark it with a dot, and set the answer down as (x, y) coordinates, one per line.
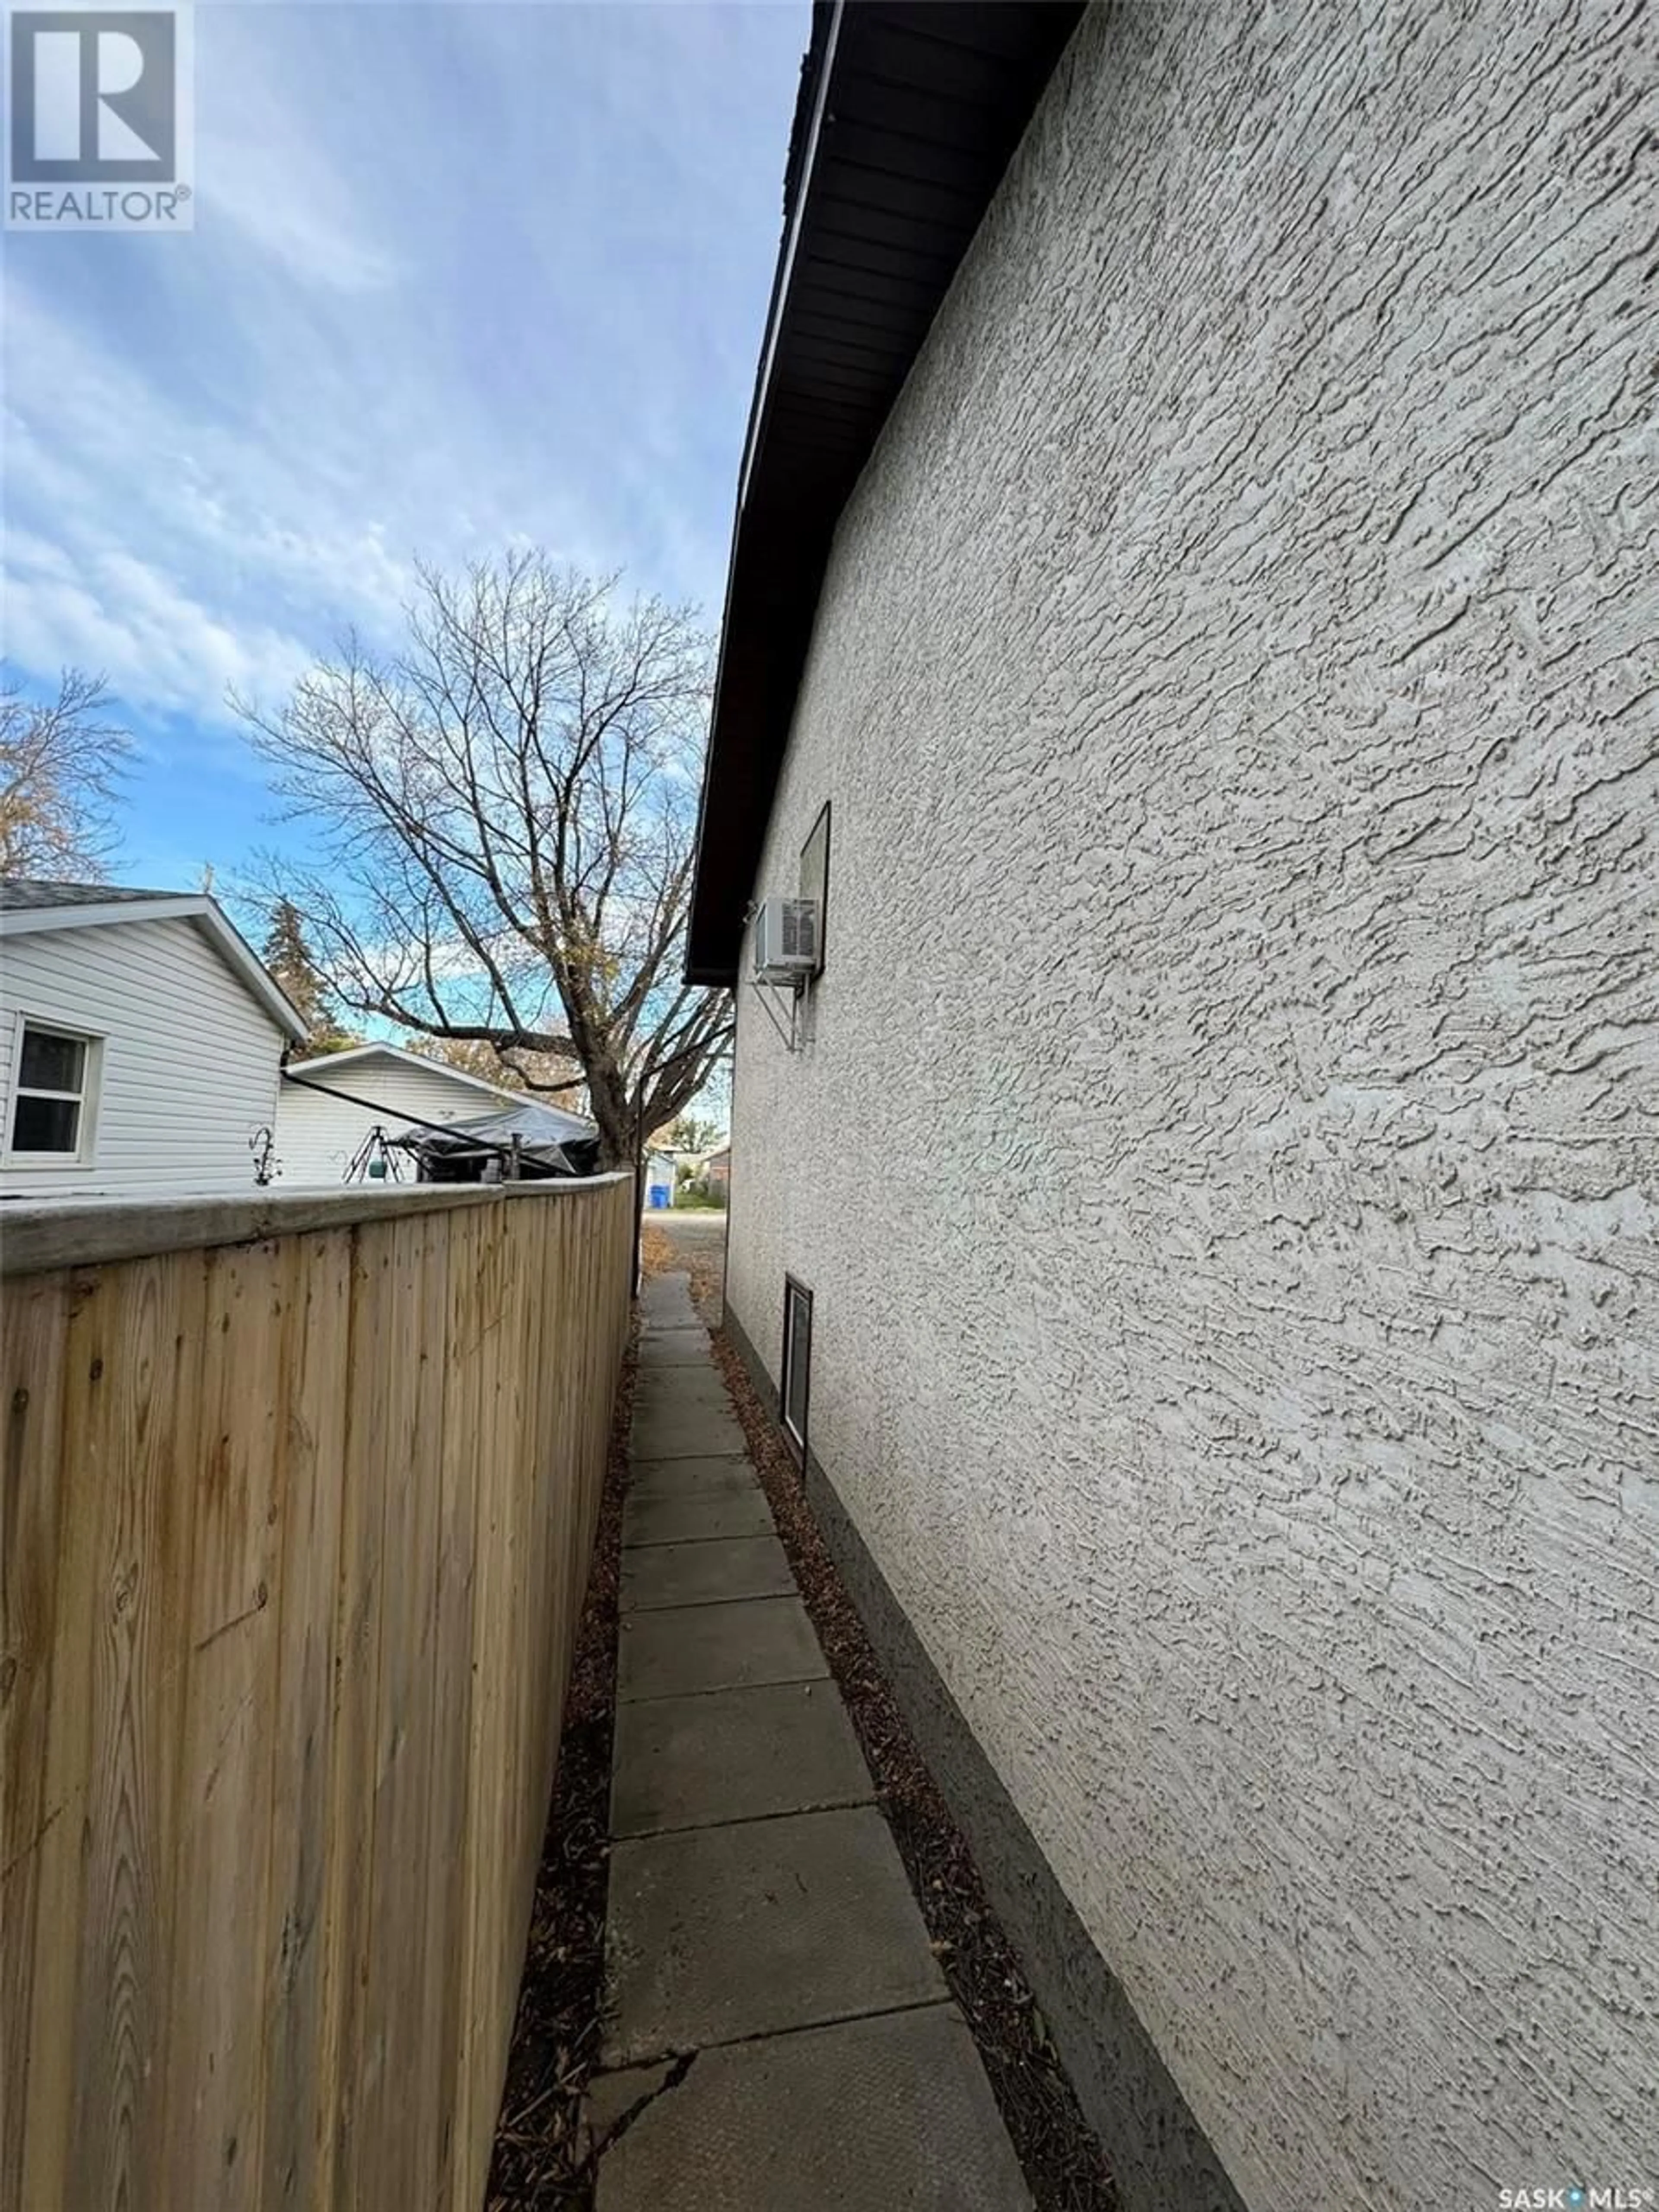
(1201, 550)
(330, 1108)
(708, 1174)
(140, 1042)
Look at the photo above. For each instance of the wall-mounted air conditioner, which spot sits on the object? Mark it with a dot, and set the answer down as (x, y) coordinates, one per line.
(785, 940)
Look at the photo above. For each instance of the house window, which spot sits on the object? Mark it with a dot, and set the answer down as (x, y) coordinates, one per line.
(796, 1385)
(815, 878)
(53, 1094)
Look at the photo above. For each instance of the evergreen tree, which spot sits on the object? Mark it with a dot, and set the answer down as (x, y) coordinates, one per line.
(291, 966)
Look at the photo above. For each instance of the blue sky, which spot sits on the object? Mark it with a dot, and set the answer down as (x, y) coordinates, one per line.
(464, 275)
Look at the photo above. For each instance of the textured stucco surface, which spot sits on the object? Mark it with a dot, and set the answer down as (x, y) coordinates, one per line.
(1159, 2157)
(1226, 1158)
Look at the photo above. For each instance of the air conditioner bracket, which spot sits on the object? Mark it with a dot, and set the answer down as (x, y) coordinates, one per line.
(769, 993)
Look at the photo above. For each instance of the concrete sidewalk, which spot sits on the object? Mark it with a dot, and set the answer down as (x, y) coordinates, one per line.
(779, 2037)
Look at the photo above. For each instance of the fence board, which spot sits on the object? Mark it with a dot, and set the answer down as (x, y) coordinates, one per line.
(142, 1347)
(295, 1534)
(468, 1319)
(42, 1788)
(297, 2162)
(230, 1651)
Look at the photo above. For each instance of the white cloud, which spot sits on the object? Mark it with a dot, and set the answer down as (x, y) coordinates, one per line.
(140, 543)
(160, 647)
(460, 276)
(263, 169)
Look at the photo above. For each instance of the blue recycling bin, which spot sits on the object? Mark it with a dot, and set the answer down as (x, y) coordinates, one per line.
(658, 1195)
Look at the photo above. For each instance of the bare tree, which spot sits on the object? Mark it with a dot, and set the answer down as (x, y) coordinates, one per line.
(508, 1069)
(61, 764)
(506, 811)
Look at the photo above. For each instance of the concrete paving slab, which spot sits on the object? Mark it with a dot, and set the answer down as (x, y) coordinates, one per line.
(689, 1649)
(669, 1328)
(862, 2117)
(666, 1302)
(685, 1433)
(673, 1478)
(718, 1933)
(779, 2032)
(736, 1755)
(696, 1516)
(657, 1345)
(673, 1347)
(614, 2099)
(670, 1321)
(664, 1389)
(704, 1574)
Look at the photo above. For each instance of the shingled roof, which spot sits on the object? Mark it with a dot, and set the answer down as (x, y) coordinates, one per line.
(32, 906)
(30, 894)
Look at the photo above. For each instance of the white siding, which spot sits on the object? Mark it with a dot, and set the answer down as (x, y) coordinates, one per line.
(317, 1138)
(1234, 683)
(189, 1059)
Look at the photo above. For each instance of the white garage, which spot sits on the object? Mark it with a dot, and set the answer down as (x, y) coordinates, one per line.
(335, 1113)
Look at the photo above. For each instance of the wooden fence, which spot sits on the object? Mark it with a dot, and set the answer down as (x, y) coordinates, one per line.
(295, 1536)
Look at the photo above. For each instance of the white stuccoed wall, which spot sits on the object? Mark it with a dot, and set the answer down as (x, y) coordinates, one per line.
(1227, 1161)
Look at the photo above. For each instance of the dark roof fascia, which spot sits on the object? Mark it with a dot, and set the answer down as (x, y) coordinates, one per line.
(908, 114)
